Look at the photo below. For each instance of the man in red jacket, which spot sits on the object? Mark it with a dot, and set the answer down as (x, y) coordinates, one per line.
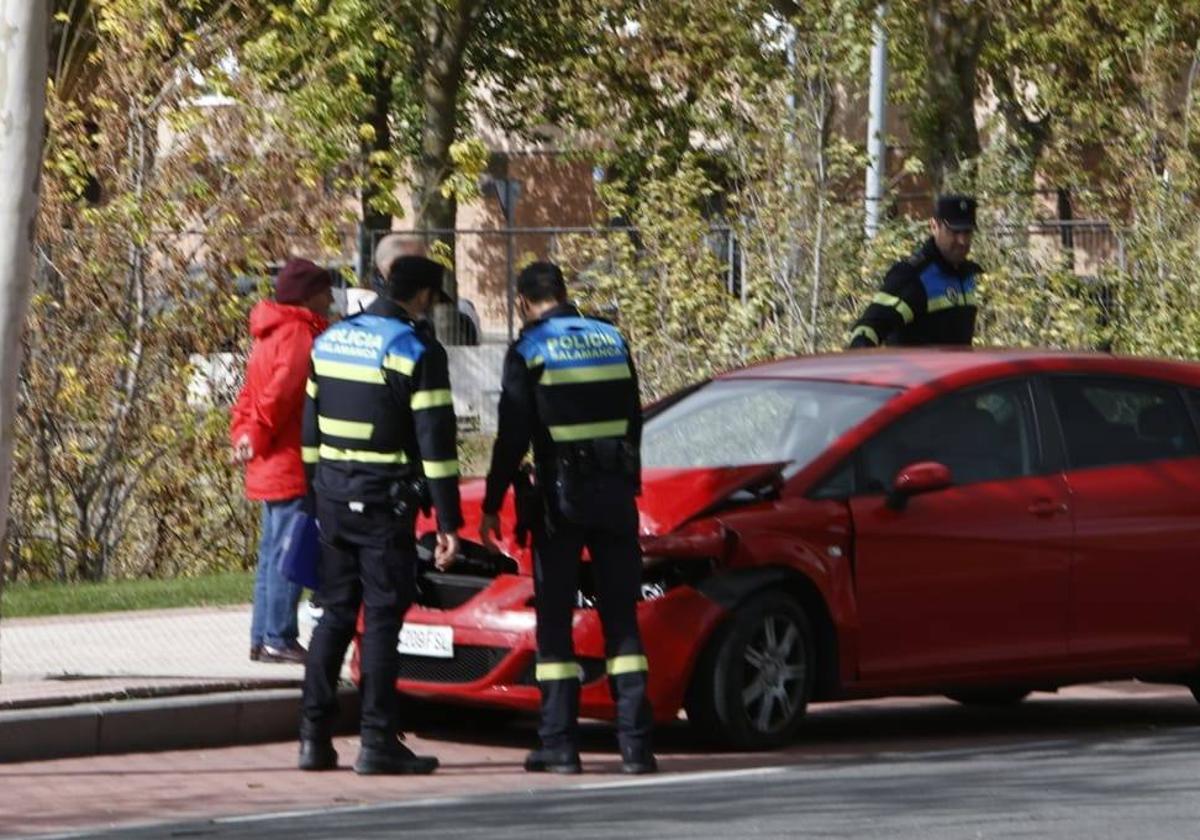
(265, 434)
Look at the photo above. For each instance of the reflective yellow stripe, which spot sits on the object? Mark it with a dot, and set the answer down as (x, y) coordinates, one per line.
(587, 431)
(363, 456)
(431, 399)
(345, 428)
(550, 671)
(895, 303)
(310, 388)
(535, 361)
(592, 373)
(345, 370)
(970, 298)
(402, 364)
(628, 664)
(867, 332)
(937, 304)
(310, 454)
(440, 469)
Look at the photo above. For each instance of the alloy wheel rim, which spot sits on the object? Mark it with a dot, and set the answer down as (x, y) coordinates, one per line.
(774, 672)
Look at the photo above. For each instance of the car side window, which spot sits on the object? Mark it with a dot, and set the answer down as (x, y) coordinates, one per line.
(839, 485)
(984, 434)
(1122, 421)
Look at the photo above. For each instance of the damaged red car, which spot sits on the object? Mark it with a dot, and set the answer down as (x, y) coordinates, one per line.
(979, 524)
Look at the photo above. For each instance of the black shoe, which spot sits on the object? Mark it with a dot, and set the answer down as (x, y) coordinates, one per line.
(317, 754)
(255, 653)
(561, 760)
(293, 654)
(638, 761)
(393, 760)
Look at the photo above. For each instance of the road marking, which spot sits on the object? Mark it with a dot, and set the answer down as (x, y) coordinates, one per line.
(672, 779)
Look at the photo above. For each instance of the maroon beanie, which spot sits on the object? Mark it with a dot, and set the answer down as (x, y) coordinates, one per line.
(299, 280)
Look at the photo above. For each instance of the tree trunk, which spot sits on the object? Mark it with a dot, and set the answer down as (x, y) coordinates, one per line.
(448, 33)
(953, 44)
(24, 32)
(377, 221)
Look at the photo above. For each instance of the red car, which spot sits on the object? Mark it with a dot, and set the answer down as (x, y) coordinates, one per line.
(978, 524)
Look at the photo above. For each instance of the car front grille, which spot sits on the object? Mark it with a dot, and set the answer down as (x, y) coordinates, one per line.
(469, 663)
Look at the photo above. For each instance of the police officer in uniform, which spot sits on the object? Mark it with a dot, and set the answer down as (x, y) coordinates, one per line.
(379, 437)
(928, 298)
(570, 388)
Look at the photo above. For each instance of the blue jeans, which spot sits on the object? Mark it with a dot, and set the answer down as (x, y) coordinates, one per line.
(273, 621)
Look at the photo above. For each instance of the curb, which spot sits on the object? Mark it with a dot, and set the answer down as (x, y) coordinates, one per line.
(165, 723)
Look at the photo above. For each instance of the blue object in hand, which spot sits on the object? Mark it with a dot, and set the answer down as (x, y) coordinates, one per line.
(301, 551)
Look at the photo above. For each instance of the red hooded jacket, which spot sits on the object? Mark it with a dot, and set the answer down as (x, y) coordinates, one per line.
(270, 405)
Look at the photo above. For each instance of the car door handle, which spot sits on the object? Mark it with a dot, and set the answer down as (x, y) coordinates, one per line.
(1047, 507)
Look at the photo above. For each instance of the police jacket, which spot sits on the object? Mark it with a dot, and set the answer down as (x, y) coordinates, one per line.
(567, 379)
(379, 411)
(924, 300)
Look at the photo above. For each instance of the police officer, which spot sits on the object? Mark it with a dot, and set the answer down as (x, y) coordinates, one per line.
(379, 428)
(570, 387)
(928, 298)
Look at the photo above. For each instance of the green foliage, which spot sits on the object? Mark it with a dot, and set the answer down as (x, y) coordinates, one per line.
(116, 474)
(712, 122)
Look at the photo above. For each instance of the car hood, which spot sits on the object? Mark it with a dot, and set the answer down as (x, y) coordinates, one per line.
(670, 498)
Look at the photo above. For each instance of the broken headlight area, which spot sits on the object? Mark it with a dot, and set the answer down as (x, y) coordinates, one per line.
(659, 576)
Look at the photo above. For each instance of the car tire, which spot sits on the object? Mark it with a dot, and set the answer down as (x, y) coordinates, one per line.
(995, 697)
(753, 681)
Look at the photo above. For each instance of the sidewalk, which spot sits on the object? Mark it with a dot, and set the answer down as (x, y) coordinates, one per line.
(188, 644)
(102, 683)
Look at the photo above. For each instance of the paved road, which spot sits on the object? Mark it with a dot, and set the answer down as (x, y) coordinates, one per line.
(1100, 761)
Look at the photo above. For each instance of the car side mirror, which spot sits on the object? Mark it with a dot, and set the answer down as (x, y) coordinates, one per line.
(917, 479)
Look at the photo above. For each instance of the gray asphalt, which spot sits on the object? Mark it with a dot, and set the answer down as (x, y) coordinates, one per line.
(1049, 770)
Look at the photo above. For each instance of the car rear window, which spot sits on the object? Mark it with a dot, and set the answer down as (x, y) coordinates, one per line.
(1121, 421)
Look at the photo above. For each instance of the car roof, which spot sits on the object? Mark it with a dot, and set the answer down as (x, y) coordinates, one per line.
(908, 368)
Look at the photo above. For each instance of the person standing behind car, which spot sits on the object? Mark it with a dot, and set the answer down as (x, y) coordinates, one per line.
(379, 427)
(570, 387)
(928, 298)
(265, 435)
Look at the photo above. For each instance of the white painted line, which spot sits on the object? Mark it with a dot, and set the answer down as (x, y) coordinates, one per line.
(684, 778)
(649, 781)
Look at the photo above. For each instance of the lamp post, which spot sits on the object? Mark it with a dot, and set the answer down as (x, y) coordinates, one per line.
(877, 123)
(507, 190)
(23, 71)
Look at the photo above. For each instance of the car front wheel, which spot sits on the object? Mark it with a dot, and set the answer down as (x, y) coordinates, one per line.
(752, 684)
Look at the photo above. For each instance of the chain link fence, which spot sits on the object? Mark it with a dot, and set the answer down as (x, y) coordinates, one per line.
(104, 646)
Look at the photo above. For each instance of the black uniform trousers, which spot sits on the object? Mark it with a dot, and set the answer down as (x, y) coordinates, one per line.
(617, 569)
(368, 558)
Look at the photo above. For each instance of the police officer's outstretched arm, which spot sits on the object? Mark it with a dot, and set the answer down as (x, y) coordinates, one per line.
(515, 420)
(428, 394)
(899, 302)
(635, 418)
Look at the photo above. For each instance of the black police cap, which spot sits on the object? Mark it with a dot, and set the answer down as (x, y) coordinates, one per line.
(956, 212)
(409, 275)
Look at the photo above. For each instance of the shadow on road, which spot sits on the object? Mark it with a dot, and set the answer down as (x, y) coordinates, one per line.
(887, 729)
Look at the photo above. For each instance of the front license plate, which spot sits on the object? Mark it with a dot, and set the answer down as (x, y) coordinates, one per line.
(427, 640)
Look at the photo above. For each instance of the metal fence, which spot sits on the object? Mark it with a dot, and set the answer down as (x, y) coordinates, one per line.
(138, 652)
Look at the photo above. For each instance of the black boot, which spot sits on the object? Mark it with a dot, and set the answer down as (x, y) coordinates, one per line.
(554, 760)
(317, 754)
(638, 759)
(392, 759)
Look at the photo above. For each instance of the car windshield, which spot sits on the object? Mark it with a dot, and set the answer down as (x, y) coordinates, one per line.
(736, 422)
